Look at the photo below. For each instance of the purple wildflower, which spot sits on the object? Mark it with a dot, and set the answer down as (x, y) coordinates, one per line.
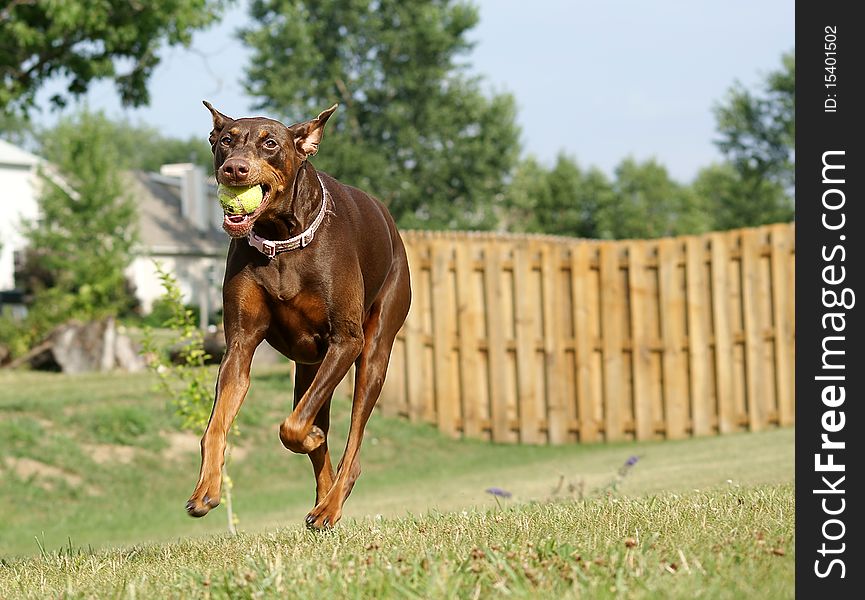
(627, 466)
(495, 491)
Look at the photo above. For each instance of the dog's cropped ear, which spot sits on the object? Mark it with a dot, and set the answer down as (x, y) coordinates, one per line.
(219, 121)
(307, 135)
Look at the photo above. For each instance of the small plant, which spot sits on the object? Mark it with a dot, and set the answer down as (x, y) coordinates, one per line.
(578, 489)
(185, 380)
(623, 472)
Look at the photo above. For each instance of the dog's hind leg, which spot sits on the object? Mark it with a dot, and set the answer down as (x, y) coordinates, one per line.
(298, 432)
(384, 320)
(320, 457)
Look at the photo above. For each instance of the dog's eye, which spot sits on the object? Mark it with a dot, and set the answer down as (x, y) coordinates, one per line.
(226, 140)
(270, 144)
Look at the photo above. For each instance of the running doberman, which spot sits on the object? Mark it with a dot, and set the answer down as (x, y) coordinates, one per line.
(320, 272)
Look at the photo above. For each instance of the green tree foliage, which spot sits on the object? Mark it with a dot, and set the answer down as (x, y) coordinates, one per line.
(83, 238)
(641, 202)
(754, 186)
(415, 129)
(647, 203)
(562, 201)
(82, 41)
(186, 382)
(735, 201)
(16, 130)
(757, 139)
(144, 148)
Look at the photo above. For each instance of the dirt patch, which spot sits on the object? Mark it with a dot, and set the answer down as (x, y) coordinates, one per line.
(44, 423)
(181, 444)
(26, 468)
(238, 453)
(107, 453)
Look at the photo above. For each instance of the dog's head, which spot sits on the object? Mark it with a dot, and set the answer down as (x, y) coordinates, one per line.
(261, 151)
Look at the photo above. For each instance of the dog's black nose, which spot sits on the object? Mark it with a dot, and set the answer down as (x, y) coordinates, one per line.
(235, 168)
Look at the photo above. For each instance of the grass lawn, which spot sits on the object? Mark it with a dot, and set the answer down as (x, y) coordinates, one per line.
(95, 478)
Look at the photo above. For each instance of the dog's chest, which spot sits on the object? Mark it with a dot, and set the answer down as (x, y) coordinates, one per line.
(280, 284)
(299, 325)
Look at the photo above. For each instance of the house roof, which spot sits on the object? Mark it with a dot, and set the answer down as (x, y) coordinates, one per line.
(12, 155)
(162, 228)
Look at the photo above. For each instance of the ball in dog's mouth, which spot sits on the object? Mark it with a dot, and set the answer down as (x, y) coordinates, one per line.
(241, 205)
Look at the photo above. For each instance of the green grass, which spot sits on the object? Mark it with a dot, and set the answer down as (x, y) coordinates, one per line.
(730, 543)
(103, 514)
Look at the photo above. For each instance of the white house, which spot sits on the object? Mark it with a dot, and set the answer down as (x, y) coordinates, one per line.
(179, 225)
(17, 202)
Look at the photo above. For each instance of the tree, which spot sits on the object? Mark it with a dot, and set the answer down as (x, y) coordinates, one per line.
(642, 201)
(144, 148)
(527, 191)
(415, 128)
(757, 139)
(562, 201)
(84, 41)
(733, 200)
(15, 130)
(590, 193)
(83, 238)
(648, 204)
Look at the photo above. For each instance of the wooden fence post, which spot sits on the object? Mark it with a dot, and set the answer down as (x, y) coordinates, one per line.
(612, 318)
(783, 289)
(583, 342)
(641, 339)
(699, 353)
(727, 420)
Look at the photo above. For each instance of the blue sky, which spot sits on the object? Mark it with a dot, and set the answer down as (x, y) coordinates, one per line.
(596, 80)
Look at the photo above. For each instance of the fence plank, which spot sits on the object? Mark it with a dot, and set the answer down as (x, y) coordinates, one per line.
(580, 273)
(727, 420)
(446, 389)
(612, 311)
(468, 305)
(699, 356)
(754, 378)
(392, 398)
(525, 309)
(791, 306)
(641, 339)
(495, 341)
(672, 300)
(782, 297)
(554, 304)
(414, 336)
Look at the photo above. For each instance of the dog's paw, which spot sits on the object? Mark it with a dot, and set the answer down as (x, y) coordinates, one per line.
(297, 442)
(321, 518)
(314, 438)
(201, 504)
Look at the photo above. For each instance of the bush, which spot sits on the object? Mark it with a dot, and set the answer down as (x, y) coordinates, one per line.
(125, 425)
(14, 335)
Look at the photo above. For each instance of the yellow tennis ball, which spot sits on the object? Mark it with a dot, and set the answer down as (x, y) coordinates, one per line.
(238, 200)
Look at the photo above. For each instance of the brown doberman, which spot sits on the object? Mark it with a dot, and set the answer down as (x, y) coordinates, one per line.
(320, 272)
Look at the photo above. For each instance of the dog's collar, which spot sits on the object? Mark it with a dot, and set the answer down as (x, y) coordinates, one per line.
(271, 248)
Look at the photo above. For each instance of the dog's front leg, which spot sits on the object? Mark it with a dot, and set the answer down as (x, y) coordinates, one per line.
(231, 388)
(298, 432)
(245, 326)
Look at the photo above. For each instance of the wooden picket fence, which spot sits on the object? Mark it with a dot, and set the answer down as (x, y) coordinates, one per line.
(541, 339)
